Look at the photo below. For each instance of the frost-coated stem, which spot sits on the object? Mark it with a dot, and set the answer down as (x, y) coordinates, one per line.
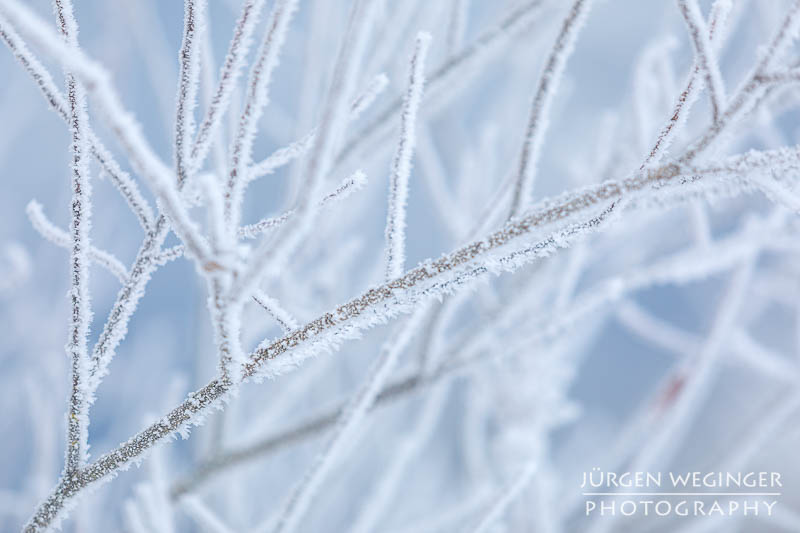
(349, 185)
(542, 101)
(228, 76)
(705, 57)
(272, 306)
(121, 180)
(717, 20)
(299, 501)
(401, 164)
(61, 238)
(289, 153)
(270, 255)
(257, 99)
(80, 220)
(188, 79)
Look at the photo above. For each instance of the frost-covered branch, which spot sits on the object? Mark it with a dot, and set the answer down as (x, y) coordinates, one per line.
(348, 186)
(717, 20)
(478, 346)
(704, 53)
(542, 101)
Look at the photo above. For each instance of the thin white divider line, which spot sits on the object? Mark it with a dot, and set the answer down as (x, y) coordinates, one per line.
(681, 493)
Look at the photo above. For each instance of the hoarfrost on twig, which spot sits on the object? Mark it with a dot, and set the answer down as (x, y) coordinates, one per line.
(401, 164)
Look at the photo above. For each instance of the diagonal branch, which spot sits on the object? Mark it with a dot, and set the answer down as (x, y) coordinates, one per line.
(475, 346)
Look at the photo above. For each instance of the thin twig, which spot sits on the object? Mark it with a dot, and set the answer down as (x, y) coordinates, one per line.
(188, 79)
(705, 57)
(228, 76)
(542, 101)
(351, 184)
(286, 321)
(61, 238)
(401, 164)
